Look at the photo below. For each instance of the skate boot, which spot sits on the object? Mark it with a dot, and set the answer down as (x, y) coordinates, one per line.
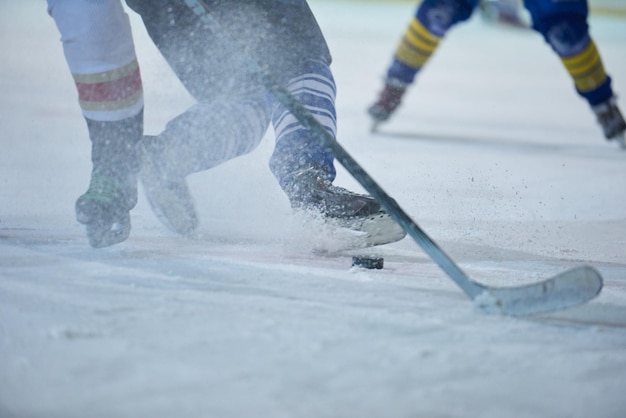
(166, 188)
(310, 191)
(611, 120)
(105, 207)
(388, 101)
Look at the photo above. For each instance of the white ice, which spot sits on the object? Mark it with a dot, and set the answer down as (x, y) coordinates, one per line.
(492, 153)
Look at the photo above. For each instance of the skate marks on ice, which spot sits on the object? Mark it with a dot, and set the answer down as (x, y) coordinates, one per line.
(51, 272)
(250, 268)
(231, 267)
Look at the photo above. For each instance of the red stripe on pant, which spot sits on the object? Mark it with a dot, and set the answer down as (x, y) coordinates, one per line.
(110, 91)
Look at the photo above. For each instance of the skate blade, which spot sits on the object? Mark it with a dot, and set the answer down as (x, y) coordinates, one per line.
(357, 233)
(379, 229)
(101, 236)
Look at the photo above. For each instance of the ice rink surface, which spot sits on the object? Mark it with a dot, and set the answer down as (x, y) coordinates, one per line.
(493, 154)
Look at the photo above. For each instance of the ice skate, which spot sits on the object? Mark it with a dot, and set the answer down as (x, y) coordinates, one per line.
(612, 121)
(104, 209)
(388, 102)
(311, 191)
(166, 191)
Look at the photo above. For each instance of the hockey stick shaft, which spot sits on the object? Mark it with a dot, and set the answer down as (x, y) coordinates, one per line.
(470, 287)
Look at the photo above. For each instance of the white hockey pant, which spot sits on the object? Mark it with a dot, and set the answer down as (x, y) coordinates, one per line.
(99, 50)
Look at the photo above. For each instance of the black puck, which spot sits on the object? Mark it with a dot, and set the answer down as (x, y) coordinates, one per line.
(368, 262)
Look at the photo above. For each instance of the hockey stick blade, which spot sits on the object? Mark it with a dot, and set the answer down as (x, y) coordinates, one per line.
(568, 289)
(565, 290)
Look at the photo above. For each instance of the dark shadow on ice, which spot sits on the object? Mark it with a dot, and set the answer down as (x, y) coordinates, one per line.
(591, 314)
(601, 149)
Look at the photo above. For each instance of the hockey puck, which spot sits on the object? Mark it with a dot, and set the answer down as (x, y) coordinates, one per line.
(368, 262)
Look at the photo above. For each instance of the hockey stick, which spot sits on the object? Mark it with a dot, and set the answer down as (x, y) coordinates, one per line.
(568, 289)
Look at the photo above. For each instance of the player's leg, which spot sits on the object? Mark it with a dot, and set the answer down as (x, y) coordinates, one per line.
(305, 169)
(229, 119)
(421, 38)
(98, 47)
(203, 137)
(564, 27)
